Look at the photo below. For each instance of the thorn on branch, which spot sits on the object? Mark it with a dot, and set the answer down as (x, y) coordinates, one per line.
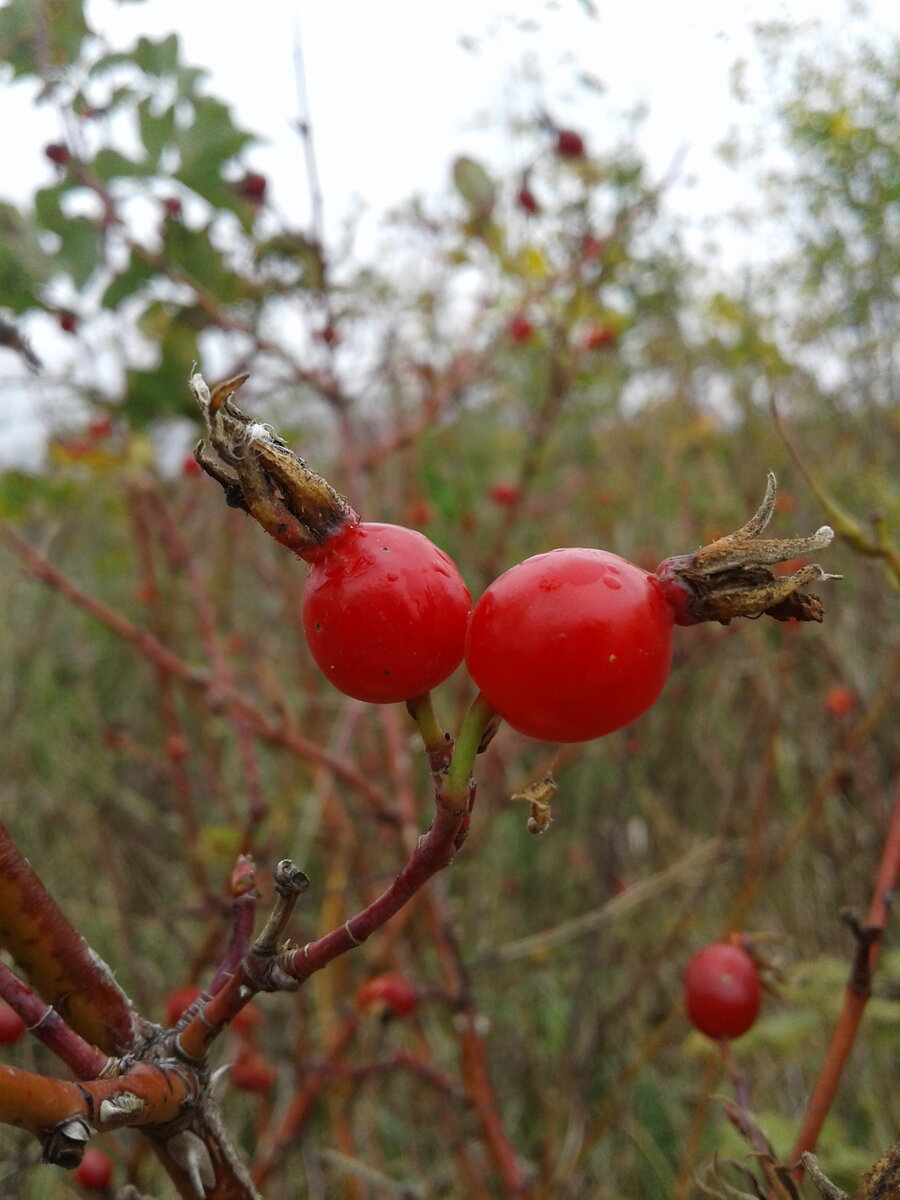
(866, 936)
(63, 1145)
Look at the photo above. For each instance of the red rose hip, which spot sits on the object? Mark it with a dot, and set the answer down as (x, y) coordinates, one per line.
(384, 612)
(722, 992)
(571, 644)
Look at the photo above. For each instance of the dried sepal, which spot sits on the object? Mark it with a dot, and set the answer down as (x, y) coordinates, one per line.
(733, 576)
(260, 473)
(539, 795)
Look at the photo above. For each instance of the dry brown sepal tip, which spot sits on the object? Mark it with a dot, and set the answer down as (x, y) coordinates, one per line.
(539, 795)
(732, 576)
(260, 473)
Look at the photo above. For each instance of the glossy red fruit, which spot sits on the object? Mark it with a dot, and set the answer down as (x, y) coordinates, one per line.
(569, 144)
(384, 612)
(572, 644)
(95, 1170)
(722, 992)
(179, 999)
(12, 1027)
(388, 992)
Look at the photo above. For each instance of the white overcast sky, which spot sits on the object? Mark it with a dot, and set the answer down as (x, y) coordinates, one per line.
(393, 94)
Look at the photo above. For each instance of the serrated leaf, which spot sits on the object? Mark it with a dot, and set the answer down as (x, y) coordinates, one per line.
(157, 57)
(110, 164)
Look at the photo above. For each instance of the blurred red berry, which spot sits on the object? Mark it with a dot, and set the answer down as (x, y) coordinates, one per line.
(721, 990)
(100, 428)
(251, 1073)
(58, 153)
(11, 1025)
(504, 493)
(839, 700)
(569, 144)
(329, 335)
(526, 199)
(94, 1172)
(598, 337)
(244, 1023)
(67, 321)
(190, 467)
(252, 187)
(388, 992)
(179, 999)
(591, 245)
(519, 328)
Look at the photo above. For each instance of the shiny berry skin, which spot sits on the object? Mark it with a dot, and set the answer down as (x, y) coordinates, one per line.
(721, 990)
(571, 644)
(95, 1170)
(388, 992)
(11, 1025)
(384, 612)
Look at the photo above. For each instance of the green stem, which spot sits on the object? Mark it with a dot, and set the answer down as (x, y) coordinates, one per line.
(468, 743)
(438, 746)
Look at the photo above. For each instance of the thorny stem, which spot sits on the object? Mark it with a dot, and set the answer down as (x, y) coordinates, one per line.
(732, 576)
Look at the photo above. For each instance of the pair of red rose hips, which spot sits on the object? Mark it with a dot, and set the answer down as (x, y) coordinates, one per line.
(566, 646)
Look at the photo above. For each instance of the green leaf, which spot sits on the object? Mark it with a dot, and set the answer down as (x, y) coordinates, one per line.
(110, 164)
(475, 186)
(161, 391)
(157, 129)
(36, 36)
(157, 58)
(136, 275)
(80, 251)
(24, 265)
(195, 257)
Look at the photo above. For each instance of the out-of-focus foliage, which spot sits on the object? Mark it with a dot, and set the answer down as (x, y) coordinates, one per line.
(544, 365)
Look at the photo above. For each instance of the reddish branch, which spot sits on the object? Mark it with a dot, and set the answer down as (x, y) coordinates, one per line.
(856, 993)
(57, 961)
(218, 696)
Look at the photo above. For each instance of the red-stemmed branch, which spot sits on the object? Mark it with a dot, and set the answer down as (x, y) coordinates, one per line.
(856, 993)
